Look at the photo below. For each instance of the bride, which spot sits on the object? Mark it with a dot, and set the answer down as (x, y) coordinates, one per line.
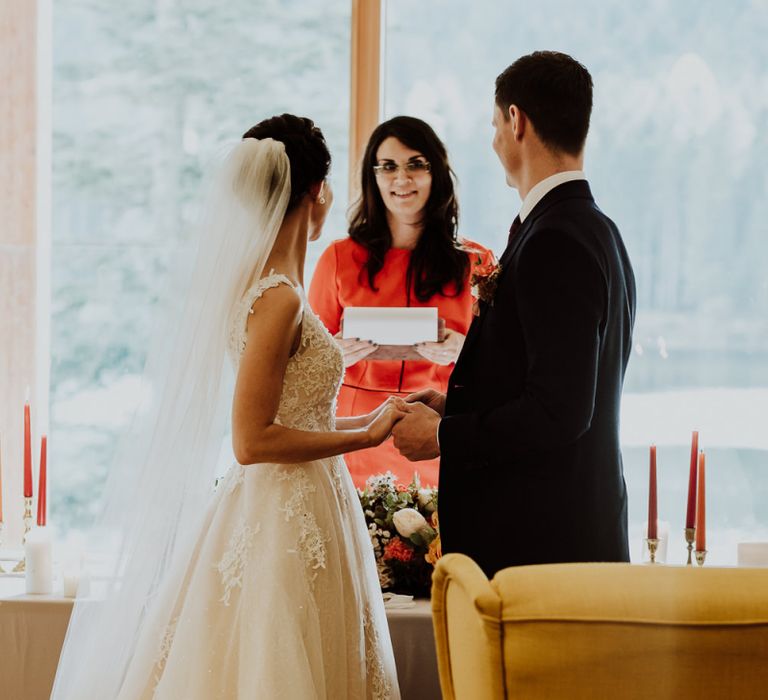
(267, 588)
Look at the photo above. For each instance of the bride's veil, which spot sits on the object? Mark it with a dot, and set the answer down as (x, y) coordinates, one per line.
(163, 476)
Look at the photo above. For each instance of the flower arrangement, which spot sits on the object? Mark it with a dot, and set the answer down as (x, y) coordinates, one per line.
(403, 526)
(483, 281)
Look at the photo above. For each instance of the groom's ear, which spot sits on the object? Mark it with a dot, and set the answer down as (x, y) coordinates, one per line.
(518, 121)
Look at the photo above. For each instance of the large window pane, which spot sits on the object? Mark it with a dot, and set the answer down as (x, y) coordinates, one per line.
(144, 93)
(676, 156)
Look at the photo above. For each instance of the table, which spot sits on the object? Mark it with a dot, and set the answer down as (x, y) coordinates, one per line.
(415, 655)
(32, 630)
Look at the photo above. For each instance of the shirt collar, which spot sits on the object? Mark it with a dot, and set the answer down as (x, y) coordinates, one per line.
(546, 185)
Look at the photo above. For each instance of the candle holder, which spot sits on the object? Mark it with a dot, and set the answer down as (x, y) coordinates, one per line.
(22, 565)
(690, 536)
(653, 544)
(701, 555)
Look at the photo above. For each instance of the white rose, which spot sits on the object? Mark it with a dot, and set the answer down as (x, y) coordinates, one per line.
(425, 497)
(408, 521)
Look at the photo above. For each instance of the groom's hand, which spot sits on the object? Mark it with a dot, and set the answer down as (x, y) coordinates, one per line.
(431, 397)
(415, 435)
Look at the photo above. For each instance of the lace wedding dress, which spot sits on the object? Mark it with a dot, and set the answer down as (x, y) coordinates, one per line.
(280, 597)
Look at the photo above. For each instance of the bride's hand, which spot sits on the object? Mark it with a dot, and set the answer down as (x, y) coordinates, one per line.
(380, 428)
(390, 401)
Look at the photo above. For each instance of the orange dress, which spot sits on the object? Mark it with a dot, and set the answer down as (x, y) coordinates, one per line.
(338, 283)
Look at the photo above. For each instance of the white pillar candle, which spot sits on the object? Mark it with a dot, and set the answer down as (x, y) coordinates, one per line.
(752, 553)
(39, 561)
(70, 582)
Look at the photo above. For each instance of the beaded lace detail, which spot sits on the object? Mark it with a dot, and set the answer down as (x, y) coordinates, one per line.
(232, 564)
(311, 539)
(164, 649)
(314, 373)
(307, 402)
(234, 478)
(380, 685)
(338, 484)
(237, 336)
(312, 379)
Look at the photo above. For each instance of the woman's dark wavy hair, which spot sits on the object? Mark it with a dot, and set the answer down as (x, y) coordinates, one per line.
(437, 262)
(305, 147)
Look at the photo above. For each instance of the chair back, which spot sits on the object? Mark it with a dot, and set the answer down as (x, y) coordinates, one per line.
(600, 631)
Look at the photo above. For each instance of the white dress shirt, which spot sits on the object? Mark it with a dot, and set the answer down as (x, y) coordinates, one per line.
(546, 185)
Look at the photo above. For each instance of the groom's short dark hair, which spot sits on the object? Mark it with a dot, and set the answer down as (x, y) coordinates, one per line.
(555, 92)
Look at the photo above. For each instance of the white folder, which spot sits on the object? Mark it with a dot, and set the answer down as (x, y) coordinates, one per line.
(391, 325)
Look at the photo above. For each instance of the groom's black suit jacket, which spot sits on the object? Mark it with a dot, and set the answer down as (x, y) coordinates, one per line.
(530, 467)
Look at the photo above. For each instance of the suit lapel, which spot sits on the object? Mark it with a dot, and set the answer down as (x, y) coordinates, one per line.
(506, 256)
(568, 190)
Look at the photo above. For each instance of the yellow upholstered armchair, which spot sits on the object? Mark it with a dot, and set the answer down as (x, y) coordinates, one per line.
(600, 631)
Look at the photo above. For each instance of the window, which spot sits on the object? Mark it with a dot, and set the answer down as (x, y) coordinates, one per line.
(144, 93)
(676, 157)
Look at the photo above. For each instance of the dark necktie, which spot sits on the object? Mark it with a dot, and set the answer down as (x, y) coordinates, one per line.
(516, 224)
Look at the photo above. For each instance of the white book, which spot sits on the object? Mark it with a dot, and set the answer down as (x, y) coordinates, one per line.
(391, 325)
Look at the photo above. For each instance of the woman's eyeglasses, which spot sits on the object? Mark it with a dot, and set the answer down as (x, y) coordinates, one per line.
(411, 168)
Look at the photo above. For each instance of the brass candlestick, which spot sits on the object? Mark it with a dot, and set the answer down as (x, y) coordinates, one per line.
(701, 554)
(653, 545)
(22, 565)
(690, 536)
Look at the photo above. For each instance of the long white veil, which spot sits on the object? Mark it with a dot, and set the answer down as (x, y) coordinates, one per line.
(162, 478)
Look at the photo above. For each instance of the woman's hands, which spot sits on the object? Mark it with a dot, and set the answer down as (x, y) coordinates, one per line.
(442, 353)
(354, 349)
(384, 418)
(445, 352)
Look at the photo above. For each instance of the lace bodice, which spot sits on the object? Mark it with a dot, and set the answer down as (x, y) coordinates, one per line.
(314, 373)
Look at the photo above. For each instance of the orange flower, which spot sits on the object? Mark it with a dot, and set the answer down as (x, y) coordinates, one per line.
(399, 550)
(435, 551)
(483, 281)
(483, 269)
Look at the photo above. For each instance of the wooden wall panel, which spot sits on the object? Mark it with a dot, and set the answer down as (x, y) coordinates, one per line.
(18, 238)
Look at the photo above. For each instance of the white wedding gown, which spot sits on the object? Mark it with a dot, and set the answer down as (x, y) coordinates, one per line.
(279, 597)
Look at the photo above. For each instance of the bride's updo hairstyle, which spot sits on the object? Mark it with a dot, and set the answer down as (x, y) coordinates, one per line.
(308, 154)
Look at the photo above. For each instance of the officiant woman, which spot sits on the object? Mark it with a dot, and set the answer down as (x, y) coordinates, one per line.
(402, 250)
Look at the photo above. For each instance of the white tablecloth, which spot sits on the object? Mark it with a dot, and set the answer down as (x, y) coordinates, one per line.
(32, 630)
(415, 656)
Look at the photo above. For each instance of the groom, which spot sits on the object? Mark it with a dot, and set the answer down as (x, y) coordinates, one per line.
(528, 433)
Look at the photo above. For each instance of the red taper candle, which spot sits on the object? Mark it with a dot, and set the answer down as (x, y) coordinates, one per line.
(42, 483)
(27, 453)
(653, 513)
(701, 508)
(690, 515)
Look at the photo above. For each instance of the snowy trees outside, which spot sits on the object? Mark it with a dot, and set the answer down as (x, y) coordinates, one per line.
(146, 92)
(676, 156)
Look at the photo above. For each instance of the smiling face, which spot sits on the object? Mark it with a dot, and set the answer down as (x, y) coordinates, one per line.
(404, 192)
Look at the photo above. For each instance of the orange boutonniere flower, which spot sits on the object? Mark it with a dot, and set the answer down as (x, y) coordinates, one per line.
(483, 280)
(435, 551)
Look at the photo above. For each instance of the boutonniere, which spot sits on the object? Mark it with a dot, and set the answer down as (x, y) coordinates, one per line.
(483, 281)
